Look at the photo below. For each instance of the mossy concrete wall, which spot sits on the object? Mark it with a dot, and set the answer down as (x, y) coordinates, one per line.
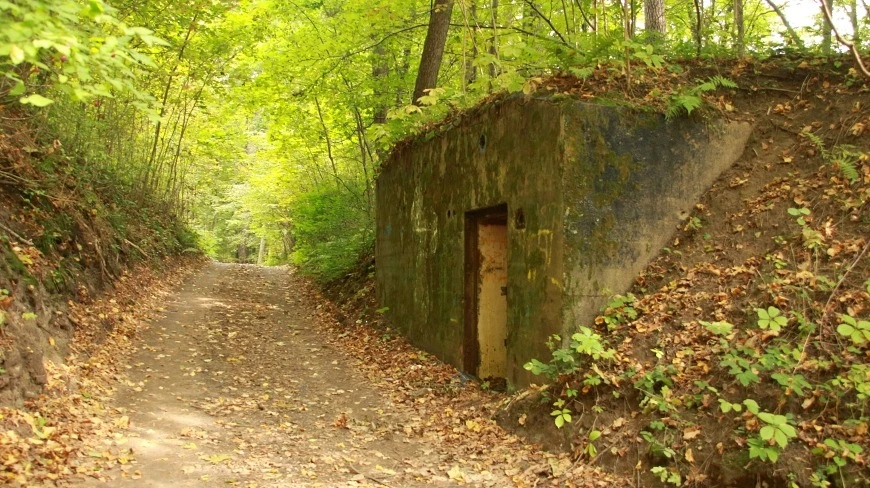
(600, 190)
(628, 181)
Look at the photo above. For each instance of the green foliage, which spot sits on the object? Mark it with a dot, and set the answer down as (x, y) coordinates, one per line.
(583, 350)
(690, 99)
(331, 235)
(590, 450)
(718, 328)
(81, 51)
(741, 368)
(843, 157)
(857, 331)
(668, 476)
(561, 415)
(771, 319)
(618, 311)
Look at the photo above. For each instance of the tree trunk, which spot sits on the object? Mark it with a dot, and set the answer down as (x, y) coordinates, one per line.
(739, 41)
(791, 32)
(698, 27)
(380, 72)
(470, 75)
(826, 29)
(493, 43)
(853, 18)
(242, 253)
(166, 89)
(654, 18)
(261, 256)
(433, 48)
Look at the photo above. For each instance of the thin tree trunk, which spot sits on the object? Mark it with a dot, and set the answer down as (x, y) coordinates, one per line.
(699, 27)
(795, 38)
(328, 142)
(493, 43)
(361, 139)
(626, 19)
(380, 72)
(339, 182)
(433, 48)
(633, 23)
(853, 18)
(157, 127)
(261, 255)
(469, 75)
(827, 27)
(242, 252)
(739, 42)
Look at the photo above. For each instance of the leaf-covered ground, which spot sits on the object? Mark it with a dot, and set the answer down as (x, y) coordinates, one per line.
(245, 379)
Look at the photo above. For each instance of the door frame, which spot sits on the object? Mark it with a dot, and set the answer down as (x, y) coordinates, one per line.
(496, 214)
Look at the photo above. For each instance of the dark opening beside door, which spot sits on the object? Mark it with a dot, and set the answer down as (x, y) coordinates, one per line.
(486, 259)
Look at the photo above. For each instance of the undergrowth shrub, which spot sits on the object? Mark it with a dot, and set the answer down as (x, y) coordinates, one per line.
(331, 231)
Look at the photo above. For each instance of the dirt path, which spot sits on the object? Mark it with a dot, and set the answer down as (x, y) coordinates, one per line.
(236, 386)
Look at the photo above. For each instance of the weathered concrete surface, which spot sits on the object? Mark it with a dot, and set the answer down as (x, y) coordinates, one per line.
(592, 193)
(627, 183)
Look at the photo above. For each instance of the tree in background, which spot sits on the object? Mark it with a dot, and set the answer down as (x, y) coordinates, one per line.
(262, 122)
(433, 48)
(654, 17)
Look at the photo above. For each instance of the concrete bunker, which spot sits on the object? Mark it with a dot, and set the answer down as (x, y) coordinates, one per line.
(520, 222)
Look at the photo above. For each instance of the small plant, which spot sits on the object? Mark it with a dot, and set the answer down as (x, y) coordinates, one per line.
(561, 414)
(668, 476)
(792, 382)
(590, 450)
(658, 448)
(718, 328)
(618, 311)
(727, 406)
(689, 100)
(800, 213)
(839, 452)
(773, 436)
(857, 331)
(813, 239)
(741, 368)
(842, 156)
(771, 318)
(693, 224)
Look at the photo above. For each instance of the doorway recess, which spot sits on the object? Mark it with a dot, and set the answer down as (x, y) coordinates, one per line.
(486, 259)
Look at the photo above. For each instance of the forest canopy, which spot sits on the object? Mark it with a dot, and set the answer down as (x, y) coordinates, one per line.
(263, 123)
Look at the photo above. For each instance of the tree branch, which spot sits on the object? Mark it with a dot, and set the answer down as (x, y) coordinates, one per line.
(850, 45)
(531, 4)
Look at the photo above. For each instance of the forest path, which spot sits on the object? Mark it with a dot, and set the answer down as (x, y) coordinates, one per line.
(236, 386)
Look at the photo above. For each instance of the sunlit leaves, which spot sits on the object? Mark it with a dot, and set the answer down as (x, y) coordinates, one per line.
(82, 51)
(718, 328)
(36, 100)
(561, 417)
(856, 330)
(771, 318)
